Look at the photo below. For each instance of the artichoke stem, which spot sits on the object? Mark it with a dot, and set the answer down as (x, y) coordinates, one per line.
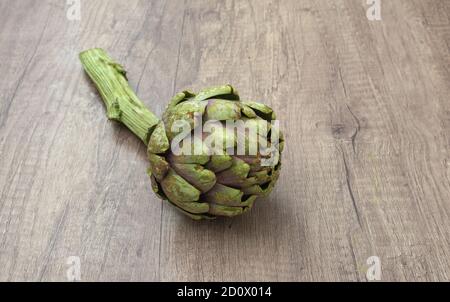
(121, 102)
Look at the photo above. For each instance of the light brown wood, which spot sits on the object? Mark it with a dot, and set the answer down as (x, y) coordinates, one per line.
(364, 106)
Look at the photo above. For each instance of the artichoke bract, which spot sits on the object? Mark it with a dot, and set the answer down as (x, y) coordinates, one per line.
(201, 173)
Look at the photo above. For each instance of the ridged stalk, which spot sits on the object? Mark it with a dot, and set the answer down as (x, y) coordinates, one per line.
(121, 102)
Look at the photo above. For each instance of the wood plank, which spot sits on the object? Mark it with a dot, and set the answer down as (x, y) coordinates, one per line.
(63, 164)
(364, 106)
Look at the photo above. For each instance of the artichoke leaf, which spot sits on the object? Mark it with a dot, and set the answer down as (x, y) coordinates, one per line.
(201, 178)
(230, 211)
(223, 110)
(219, 162)
(180, 97)
(196, 216)
(158, 142)
(262, 110)
(224, 195)
(261, 176)
(193, 207)
(158, 166)
(155, 186)
(235, 175)
(226, 92)
(177, 189)
(247, 111)
(260, 190)
(221, 210)
(190, 112)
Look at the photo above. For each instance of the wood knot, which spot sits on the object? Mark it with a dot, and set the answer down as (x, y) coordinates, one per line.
(343, 131)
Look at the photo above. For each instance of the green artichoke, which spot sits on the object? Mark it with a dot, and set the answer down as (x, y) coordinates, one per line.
(202, 183)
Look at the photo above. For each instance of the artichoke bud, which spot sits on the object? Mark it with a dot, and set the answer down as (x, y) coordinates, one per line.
(210, 155)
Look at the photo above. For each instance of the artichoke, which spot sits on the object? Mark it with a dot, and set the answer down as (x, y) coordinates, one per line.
(206, 183)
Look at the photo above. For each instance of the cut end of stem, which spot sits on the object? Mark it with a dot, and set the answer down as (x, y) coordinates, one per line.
(121, 102)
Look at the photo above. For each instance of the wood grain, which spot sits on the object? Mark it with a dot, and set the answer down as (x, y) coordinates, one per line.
(364, 106)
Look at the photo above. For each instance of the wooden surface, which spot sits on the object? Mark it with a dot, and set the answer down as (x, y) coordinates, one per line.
(364, 105)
